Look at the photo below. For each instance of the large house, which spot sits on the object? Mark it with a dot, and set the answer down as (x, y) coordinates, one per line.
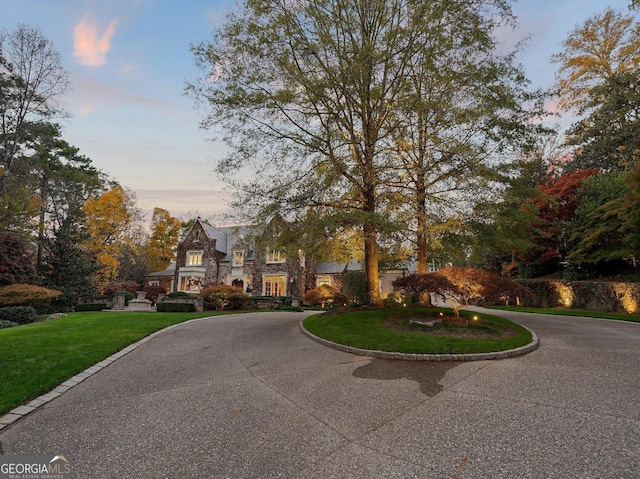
(234, 256)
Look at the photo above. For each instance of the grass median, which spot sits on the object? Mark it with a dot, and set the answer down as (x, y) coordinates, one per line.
(37, 357)
(393, 330)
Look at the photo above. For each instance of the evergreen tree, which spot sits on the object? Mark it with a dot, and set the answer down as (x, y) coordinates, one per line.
(67, 266)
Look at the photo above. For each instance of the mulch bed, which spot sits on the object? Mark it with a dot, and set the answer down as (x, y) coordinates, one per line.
(450, 326)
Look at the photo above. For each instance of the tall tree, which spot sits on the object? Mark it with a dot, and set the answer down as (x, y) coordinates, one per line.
(32, 80)
(61, 179)
(597, 234)
(163, 240)
(112, 225)
(631, 214)
(312, 82)
(464, 103)
(609, 137)
(307, 93)
(603, 45)
(68, 266)
(556, 209)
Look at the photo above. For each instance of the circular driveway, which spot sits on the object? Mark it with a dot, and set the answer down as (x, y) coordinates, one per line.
(250, 396)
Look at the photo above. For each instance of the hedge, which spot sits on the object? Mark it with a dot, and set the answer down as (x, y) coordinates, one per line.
(18, 314)
(91, 307)
(176, 308)
(28, 295)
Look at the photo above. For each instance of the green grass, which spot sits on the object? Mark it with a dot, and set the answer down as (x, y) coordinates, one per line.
(573, 312)
(365, 330)
(37, 357)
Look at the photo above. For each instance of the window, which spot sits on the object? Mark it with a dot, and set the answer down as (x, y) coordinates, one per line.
(154, 283)
(275, 285)
(275, 256)
(238, 258)
(190, 283)
(196, 237)
(194, 258)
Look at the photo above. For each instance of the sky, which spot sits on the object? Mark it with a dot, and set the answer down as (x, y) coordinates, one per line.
(129, 61)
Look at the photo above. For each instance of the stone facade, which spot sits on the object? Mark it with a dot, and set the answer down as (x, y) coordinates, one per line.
(207, 256)
(243, 257)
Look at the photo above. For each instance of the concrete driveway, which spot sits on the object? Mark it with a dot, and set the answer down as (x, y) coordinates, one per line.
(249, 396)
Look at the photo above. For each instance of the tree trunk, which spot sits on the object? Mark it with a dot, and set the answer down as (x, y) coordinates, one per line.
(371, 265)
(41, 222)
(421, 233)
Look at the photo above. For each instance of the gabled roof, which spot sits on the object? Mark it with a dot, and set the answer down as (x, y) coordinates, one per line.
(226, 237)
(332, 267)
(169, 271)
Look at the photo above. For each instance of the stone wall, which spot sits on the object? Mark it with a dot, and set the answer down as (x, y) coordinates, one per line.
(197, 301)
(600, 296)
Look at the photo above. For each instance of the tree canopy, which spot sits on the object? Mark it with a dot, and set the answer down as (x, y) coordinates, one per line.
(32, 80)
(331, 103)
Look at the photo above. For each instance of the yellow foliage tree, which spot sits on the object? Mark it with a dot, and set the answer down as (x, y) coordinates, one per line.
(163, 241)
(604, 45)
(113, 224)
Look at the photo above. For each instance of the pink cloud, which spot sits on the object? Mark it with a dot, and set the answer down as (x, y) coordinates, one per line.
(91, 46)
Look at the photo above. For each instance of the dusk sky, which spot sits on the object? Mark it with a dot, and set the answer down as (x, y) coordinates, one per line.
(128, 62)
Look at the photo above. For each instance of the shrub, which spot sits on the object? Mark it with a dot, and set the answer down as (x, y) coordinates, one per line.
(18, 314)
(153, 292)
(298, 309)
(395, 300)
(91, 307)
(28, 295)
(178, 294)
(462, 287)
(117, 286)
(222, 296)
(176, 307)
(325, 295)
(4, 324)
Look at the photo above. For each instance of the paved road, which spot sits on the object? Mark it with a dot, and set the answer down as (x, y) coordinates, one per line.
(249, 396)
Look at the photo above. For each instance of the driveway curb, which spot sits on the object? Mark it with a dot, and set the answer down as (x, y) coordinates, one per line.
(510, 353)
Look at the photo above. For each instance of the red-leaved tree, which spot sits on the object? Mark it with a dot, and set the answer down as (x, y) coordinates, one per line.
(556, 208)
(461, 287)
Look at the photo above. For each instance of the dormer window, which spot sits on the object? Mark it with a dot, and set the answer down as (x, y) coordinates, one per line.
(194, 258)
(275, 256)
(238, 258)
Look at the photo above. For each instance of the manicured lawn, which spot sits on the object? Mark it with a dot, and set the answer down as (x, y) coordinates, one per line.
(366, 330)
(573, 312)
(37, 357)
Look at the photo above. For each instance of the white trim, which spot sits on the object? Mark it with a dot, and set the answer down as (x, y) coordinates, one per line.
(274, 253)
(193, 253)
(285, 283)
(235, 264)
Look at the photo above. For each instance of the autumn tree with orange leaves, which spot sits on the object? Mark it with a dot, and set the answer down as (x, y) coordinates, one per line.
(113, 226)
(604, 45)
(163, 240)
